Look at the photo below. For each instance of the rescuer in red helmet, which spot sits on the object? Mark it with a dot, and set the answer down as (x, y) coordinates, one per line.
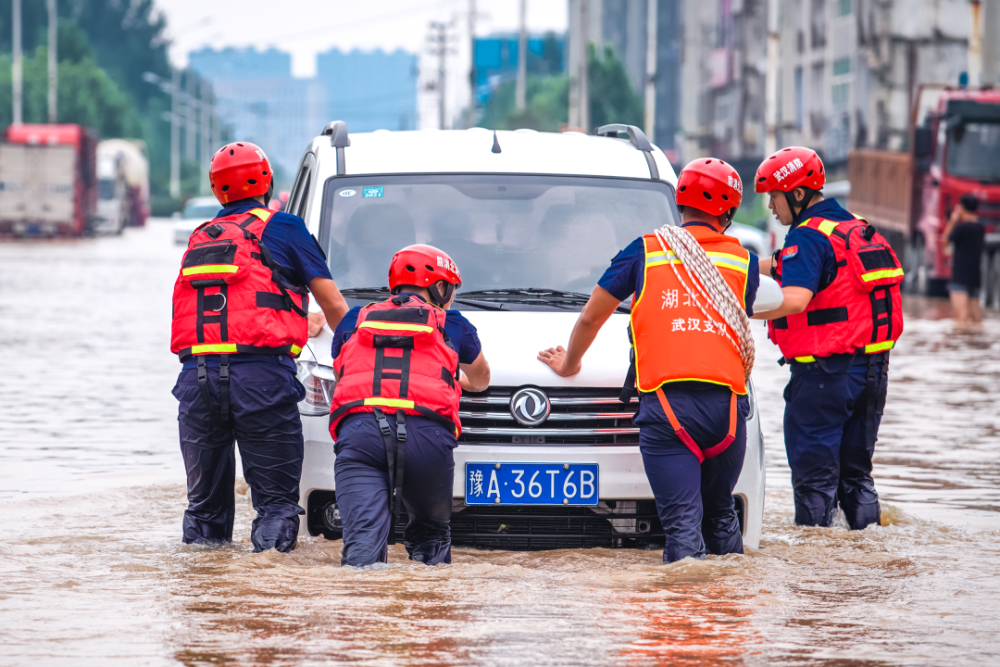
(401, 367)
(240, 317)
(840, 317)
(692, 289)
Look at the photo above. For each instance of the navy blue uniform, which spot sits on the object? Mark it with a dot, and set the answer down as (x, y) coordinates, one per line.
(361, 471)
(694, 500)
(833, 407)
(264, 419)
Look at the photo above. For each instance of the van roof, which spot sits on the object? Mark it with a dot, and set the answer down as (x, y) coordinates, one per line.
(469, 151)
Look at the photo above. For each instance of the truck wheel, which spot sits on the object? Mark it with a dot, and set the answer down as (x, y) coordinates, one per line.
(915, 280)
(991, 281)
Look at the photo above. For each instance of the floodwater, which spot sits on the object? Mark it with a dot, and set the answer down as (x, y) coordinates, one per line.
(92, 571)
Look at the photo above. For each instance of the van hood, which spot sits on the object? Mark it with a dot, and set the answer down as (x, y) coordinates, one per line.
(512, 340)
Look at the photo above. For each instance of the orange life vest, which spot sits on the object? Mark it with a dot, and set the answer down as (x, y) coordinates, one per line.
(674, 341)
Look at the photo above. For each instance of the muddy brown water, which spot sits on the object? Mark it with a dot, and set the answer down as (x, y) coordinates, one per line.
(92, 571)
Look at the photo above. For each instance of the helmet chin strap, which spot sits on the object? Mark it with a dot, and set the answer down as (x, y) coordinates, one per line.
(802, 207)
(269, 193)
(437, 297)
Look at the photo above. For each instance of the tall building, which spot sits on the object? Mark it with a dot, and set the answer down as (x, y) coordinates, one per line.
(260, 101)
(497, 59)
(370, 90)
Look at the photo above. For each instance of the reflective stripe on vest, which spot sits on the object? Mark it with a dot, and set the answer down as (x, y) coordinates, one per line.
(210, 268)
(395, 326)
(389, 403)
(722, 259)
(219, 348)
(878, 275)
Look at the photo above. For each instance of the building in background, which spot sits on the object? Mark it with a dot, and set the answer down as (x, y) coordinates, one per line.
(497, 59)
(370, 90)
(260, 101)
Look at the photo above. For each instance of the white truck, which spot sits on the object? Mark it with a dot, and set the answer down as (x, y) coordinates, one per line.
(532, 227)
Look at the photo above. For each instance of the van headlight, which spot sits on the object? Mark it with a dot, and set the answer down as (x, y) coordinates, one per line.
(319, 382)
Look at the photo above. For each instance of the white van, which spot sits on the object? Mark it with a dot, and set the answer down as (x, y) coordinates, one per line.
(532, 220)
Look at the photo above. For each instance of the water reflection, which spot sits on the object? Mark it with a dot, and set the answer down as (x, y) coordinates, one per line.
(94, 574)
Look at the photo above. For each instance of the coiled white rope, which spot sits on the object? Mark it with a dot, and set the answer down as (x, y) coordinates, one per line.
(711, 287)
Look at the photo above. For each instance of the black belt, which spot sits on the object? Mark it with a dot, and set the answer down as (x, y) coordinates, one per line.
(223, 413)
(395, 451)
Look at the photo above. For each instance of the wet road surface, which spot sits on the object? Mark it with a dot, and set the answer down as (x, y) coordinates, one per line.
(92, 571)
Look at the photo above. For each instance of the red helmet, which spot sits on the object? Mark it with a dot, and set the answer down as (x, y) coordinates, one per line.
(423, 266)
(790, 168)
(709, 185)
(239, 170)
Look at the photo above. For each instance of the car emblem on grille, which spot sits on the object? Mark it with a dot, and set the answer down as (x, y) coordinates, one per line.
(529, 406)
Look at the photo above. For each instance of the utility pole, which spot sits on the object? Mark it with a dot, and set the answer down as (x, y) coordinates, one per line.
(175, 135)
(206, 148)
(651, 34)
(16, 64)
(771, 84)
(473, 74)
(53, 61)
(191, 116)
(584, 74)
(438, 41)
(976, 45)
(522, 59)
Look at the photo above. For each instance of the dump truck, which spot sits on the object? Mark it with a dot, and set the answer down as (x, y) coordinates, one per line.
(909, 196)
(48, 180)
(123, 193)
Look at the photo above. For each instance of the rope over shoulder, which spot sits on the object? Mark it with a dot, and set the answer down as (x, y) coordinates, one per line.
(708, 283)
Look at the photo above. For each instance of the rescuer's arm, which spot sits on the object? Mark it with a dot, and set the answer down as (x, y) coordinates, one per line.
(796, 299)
(599, 308)
(330, 300)
(475, 376)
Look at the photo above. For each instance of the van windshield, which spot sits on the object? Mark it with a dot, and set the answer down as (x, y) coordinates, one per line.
(542, 235)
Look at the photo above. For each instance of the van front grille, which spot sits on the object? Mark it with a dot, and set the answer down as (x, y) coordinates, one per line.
(591, 416)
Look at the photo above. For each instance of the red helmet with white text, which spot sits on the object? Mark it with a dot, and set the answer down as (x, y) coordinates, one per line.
(790, 168)
(709, 185)
(424, 266)
(239, 170)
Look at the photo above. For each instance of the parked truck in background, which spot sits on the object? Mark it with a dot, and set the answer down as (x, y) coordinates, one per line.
(123, 177)
(955, 150)
(134, 171)
(48, 180)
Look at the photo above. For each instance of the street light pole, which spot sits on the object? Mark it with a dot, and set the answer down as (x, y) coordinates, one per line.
(522, 58)
(53, 60)
(651, 34)
(771, 81)
(175, 136)
(16, 64)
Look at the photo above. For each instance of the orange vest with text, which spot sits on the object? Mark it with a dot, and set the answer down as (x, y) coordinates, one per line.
(674, 340)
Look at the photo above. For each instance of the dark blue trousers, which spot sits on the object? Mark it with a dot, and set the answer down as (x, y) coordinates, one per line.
(833, 409)
(363, 493)
(694, 501)
(264, 420)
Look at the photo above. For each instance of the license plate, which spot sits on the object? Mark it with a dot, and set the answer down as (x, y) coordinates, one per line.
(531, 484)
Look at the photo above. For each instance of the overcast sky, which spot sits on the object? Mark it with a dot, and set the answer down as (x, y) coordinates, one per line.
(307, 27)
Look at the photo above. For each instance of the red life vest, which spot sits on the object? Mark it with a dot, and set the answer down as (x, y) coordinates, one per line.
(230, 296)
(398, 358)
(673, 341)
(860, 311)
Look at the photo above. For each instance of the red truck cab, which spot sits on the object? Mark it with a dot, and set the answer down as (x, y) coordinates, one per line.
(957, 151)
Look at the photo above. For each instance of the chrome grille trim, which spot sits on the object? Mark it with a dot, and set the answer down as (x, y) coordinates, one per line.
(500, 400)
(581, 416)
(475, 430)
(555, 416)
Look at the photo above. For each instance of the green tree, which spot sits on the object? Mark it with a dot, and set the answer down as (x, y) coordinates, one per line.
(87, 95)
(612, 98)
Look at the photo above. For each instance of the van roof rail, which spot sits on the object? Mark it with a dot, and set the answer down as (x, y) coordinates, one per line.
(337, 131)
(637, 138)
(339, 139)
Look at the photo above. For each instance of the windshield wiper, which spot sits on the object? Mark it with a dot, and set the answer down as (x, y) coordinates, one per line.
(534, 295)
(365, 292)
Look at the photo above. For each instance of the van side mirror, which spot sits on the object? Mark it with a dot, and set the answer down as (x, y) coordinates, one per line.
(922, 143)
